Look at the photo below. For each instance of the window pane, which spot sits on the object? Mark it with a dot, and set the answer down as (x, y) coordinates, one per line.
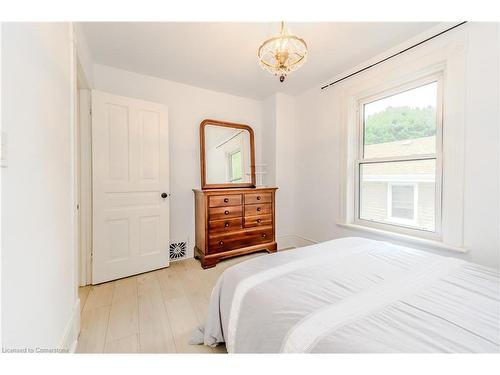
(236, 175)
(401, 193)
(401, 124)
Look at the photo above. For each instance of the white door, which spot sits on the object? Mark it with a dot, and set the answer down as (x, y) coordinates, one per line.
(130, 175)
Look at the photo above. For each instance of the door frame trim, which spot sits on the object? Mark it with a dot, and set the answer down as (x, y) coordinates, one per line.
(85, 256)
(84, 179)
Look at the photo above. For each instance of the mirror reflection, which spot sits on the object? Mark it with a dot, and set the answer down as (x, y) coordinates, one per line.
(227, 155)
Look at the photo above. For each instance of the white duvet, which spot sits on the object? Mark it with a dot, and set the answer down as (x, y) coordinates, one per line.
(354, 295)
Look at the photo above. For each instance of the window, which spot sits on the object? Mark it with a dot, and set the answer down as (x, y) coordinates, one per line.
(235, 168)
(402, 202)
(398, 165)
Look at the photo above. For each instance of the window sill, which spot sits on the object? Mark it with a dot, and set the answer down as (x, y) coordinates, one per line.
(410, 240)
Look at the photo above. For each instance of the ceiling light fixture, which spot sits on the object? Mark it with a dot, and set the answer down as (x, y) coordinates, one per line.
(282, 54)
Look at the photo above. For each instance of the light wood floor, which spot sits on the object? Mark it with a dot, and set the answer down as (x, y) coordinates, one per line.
(154, 312)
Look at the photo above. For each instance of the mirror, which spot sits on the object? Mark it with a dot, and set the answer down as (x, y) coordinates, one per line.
(227, 155)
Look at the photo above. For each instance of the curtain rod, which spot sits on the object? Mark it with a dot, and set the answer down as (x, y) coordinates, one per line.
(394, 55)
(227, 140)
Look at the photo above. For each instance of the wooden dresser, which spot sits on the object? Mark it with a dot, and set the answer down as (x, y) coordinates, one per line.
(232, 222)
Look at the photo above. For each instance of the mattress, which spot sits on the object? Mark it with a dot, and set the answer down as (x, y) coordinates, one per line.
(354, 295)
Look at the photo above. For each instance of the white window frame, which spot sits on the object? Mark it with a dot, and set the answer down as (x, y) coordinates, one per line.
(401, 228)
(394, 219)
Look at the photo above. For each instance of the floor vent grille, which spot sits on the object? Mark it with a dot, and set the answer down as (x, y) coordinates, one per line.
(178, 250)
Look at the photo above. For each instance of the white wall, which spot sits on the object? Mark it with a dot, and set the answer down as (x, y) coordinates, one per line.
(482, 145)
(319, 139)
(285, 170)
(269, 140)
(187, 106)
(39, 300)
(278, 153)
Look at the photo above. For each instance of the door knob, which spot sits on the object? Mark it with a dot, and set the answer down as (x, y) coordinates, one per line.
(164, 195)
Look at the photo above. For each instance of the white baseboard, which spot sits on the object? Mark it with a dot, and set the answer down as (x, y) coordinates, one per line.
(293, 240)
(70, 338)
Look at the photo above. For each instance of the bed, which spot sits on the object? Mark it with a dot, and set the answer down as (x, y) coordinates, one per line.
(354, 295)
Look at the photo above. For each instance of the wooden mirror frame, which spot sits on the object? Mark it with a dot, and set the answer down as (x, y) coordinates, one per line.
(203, 160)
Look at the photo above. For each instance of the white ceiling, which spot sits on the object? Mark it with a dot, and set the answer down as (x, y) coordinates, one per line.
(223, 56)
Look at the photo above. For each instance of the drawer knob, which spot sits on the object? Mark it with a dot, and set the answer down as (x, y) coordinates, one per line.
(226, 224)
(226, 212)
(226, 200)
(258, 197)
(221, 243)
(259, 220)
(263, 235)
(258, 208)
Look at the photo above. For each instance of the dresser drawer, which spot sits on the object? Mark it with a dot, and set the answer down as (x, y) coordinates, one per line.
(254, 198)
(215, 213)
(238, 240)
(257, 221)
(223, 226)
(258, 209)
(224, 200)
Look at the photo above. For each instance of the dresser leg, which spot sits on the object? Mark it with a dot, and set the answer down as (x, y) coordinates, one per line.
(272, 248)
(208, 263)
(205, 262)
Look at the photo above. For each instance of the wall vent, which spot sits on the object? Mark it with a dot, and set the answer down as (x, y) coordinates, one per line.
(178, 250)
